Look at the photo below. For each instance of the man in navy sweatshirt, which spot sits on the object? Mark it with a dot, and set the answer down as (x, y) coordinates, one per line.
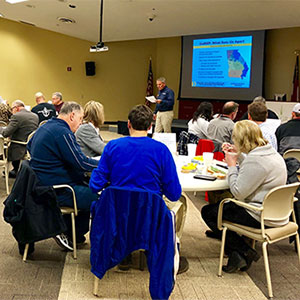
(56, 159)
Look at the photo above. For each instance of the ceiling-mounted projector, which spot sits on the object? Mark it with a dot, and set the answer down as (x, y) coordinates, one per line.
(99, 47)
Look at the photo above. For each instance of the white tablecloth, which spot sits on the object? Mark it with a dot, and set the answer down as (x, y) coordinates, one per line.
(190, 184)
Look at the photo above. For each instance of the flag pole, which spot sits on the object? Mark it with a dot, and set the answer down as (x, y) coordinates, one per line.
(297, 52)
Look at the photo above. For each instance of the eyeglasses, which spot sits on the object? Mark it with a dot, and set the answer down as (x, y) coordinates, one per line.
(14, 107)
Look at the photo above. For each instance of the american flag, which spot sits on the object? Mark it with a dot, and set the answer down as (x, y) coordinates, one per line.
(149, 91)
(295, 94)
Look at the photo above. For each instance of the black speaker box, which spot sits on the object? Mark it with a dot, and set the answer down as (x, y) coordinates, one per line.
(90, 68)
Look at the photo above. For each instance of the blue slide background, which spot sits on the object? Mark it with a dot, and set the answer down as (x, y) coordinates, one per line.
(210, 63)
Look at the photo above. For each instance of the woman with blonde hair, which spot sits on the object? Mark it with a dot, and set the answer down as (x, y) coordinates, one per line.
(88, 133)
(260, 169)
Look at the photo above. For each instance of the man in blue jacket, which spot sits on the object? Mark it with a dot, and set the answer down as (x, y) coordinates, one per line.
(138, 161)
(56, 159)
(164, 108)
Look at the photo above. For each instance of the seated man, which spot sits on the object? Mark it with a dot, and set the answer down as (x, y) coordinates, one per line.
(56, 158)
(57, 101)
(257, 112)
(44, 110)
(220, 129)
(288, 134)
(138, 161)
(21, 124)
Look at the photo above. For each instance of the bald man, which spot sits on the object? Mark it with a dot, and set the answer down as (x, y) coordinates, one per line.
(220, 129)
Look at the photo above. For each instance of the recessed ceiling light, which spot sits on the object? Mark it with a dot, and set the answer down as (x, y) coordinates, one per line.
(72, 6)
(15, 1)
(1, 15)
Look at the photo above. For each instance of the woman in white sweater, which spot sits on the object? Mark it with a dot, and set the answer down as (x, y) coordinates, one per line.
(88, 133)
(260, 170)
(198, 125)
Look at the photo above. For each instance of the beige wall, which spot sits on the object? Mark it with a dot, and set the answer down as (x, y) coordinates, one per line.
(33, 59)
(168, 64)
(280, 60)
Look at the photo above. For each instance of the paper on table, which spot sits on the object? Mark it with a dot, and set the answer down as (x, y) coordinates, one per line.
(169, 139)
(152, 99)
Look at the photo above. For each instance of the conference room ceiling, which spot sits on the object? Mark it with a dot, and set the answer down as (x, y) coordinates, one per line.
(129, 19)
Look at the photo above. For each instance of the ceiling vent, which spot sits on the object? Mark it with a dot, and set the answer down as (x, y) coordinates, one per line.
(66, 20)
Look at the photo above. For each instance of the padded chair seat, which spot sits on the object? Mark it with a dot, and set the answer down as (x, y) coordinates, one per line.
(272, 233)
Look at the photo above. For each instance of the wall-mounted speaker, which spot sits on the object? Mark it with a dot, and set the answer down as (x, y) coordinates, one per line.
(90, 68)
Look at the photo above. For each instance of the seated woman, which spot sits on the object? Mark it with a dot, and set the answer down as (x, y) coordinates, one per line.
(88, 133)
(198, 125)
(260, 170)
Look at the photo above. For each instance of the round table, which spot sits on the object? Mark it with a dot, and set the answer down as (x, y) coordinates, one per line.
(190, 184)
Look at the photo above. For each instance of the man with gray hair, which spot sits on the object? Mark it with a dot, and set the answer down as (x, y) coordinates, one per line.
(57, 159)
(164, 108)
(21, 124)
(260, 99)
(57, 101)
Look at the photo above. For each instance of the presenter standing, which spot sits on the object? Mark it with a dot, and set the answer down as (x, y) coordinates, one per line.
(164, 107)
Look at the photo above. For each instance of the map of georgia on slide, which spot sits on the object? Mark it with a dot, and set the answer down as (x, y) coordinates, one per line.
(237, 67)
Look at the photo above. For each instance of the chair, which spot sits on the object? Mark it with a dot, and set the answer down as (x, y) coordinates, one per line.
(206, 145)
(4, 162)
(3, 124)
(73, 211)
(127, 220)
(43, 122)
(27, 155)
(294, 153)
(277, 206)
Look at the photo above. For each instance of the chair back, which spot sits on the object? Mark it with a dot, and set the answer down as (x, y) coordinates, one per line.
(206, 145)
(30, 136)
(295, 153)
(124, 220)
(43, 122)
(278, 203)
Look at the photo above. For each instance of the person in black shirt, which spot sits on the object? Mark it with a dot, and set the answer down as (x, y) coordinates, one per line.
(288, 134)
(44, 110)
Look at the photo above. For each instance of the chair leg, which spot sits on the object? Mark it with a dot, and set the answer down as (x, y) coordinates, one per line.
(267, 269)
(6, 179)
(74, 236)
(253, 244)
(96, 284)
(298, 246)
(25, 252)
(222, 251)
(142, 260)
